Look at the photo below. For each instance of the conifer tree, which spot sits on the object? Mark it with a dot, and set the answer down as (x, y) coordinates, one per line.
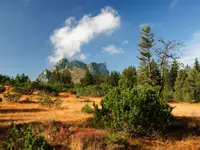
(173, 74)
(87, 79)
(192, 84)
(145, 50)
(130, 74)
(179, 84)
(196, 65)
(155, 74)
(114, 78)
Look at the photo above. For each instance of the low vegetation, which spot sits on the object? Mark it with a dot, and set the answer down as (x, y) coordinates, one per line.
(2, 89)
(20, 138)
(12, 97)
(87, 109)
(135, 111)
(47, 101)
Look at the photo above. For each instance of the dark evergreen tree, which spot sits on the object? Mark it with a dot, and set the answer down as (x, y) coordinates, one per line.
(179, 84)
(145, 50)
(87, 79)
(114, 78)
(173, 74)
(130, 74)
(196, 65)
(63, 77)
(192, 84)
(155, 74)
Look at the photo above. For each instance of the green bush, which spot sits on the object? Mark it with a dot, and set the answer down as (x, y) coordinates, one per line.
(12, 97)
(20, 138)
(137, 111)
(87, 100)
(47, 101)
(92, 90)
(2, 89)
(24, 88)
(116, 140)
(55, 93)
(87, 109)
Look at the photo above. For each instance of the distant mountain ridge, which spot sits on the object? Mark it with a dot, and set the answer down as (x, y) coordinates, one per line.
(75, 67)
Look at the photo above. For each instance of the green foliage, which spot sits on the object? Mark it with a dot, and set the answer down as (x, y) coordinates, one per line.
(116, 139)
(179, 84)
(92, 90)
(136, 111)
(4, 79)
(2, 89)
(12, 97)
(145, 50)
(87, 79)
(47, 101)
(87, 100)
(87, 109)
(63, 77)
(173, 74)
(24, 88)
(21, 79)
(24, 139)
(114, 78)
(155, 76)
(192, 85)
(130, 74)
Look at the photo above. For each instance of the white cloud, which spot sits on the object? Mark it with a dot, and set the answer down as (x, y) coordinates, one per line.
(124, 42)
(112, 49)
(174, 3)
(192, 50)
(69, 39)
(83, 57)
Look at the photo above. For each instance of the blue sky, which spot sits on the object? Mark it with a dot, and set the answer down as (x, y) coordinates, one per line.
(34, 33)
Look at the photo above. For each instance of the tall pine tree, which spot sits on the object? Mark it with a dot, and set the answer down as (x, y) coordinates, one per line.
(145, 50)
(173, 74)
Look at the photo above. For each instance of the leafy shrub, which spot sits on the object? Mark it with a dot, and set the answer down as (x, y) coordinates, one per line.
(12, 97)
(87, 109)
(24, 88)
(20, 138)
(138, 111)
(168, 96)
(55, 93)
(2, 89)
(92, 90)
(47, 101)
(87, 100)
(116, 139)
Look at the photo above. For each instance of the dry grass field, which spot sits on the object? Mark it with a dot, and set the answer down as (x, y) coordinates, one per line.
(22, 112)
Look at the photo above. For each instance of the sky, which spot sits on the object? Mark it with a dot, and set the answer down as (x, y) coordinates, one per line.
(35, 34)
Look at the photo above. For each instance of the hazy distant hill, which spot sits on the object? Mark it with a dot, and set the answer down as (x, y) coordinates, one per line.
(76, 68)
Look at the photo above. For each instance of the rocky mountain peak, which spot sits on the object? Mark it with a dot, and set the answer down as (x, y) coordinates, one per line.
(76, 68)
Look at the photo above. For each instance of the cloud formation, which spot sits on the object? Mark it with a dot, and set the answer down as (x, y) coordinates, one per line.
(112, 49)
(69, 39)
(192, 50)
